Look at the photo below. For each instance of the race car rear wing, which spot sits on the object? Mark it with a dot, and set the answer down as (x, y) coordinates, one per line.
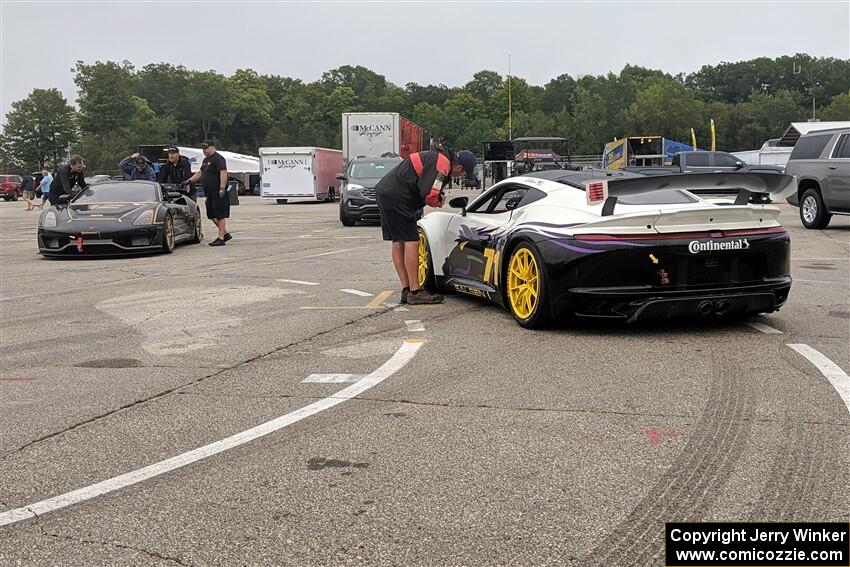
(750, 186)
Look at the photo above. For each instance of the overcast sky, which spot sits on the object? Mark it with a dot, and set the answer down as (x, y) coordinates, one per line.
(429, 42)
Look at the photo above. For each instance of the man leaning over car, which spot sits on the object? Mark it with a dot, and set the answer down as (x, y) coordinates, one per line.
(66, 177)
(177, 169)
(417, 181)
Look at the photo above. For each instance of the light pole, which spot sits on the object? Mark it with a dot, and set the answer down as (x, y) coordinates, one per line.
(796, 71)
(510, 129)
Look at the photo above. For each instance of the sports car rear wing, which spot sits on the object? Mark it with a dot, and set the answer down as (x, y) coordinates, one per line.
(748, 185)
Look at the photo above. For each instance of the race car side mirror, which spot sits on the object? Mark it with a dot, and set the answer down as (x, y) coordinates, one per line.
(341, 176)
(459, 203)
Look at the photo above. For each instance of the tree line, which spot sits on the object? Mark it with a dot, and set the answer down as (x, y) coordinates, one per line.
(120, 107)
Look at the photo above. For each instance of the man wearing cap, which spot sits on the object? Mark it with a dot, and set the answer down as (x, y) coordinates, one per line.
(213, 175)
(177, 169)
(137, 168)
(417, 181)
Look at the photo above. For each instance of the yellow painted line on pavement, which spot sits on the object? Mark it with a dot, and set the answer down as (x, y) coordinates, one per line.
(376, 303)
(379, 299)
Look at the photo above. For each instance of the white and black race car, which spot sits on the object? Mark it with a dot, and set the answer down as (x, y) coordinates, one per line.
(613, 245)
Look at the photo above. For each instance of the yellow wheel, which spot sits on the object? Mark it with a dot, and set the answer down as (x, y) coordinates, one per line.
(424, 260)
(526, 287)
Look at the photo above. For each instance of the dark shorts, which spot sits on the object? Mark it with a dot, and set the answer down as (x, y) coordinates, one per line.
(217, 207)
(397, 223)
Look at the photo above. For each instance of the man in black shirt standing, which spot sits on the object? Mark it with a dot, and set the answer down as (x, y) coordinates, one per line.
(213, 175)
(66, 177)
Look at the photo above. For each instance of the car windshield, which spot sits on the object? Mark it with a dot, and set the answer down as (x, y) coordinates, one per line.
(374, 169)
(118, 193)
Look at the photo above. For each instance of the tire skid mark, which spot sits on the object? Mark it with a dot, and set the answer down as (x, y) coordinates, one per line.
(808, 461)
(693, 480)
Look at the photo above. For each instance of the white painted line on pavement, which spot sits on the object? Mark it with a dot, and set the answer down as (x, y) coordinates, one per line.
(415, 326)
(357, 292)
(341, 250)
(828, 282)
(299, 282)
(332, 378)
(837, 377)
(397, 307)
(403, 355)
(766, 329)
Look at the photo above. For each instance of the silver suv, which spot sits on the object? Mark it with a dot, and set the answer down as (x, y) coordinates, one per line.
(821, 162)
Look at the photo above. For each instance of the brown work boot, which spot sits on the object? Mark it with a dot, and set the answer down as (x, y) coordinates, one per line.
(405, 292)
(423, 297)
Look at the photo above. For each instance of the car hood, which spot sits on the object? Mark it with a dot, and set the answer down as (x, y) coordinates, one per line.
(107, 210)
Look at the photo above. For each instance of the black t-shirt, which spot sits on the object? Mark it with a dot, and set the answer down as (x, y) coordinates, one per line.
(175, 172)
(211, 170)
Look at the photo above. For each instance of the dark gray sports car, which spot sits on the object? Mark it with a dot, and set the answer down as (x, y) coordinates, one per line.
(119, 217)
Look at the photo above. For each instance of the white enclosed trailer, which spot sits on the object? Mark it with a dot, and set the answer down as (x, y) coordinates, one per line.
(302, 173)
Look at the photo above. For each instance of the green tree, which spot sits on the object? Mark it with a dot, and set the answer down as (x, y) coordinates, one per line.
(165, 87)
(39, 131)
(105, 96)
(765, 116)
(477, 132)
(557, 94)
(592, 124)
(522, 98)
(838, 109)
(252, 111)
(535, 123)
(483, 85)
(664, 107)
(432, 117)
(432, 94)
(210, 105)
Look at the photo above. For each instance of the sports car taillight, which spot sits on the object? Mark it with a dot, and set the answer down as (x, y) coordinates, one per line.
(597, 192)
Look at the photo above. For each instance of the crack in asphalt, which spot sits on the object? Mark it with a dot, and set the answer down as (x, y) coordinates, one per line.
(450, 405)
(113, 544)
(194, 382)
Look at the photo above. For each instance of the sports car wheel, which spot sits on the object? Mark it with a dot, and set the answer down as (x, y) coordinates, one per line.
(813, 213)
(425, 271)
(198, 233)
(526, 287)
(168, 235)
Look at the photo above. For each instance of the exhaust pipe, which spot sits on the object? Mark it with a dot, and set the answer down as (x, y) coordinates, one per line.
(722, 307)
(705, 308)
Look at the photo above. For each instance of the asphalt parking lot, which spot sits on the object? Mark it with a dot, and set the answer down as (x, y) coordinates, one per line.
(423, 435)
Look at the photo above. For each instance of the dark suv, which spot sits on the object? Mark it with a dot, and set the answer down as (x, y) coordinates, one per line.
(821, 162)
(357, 196)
